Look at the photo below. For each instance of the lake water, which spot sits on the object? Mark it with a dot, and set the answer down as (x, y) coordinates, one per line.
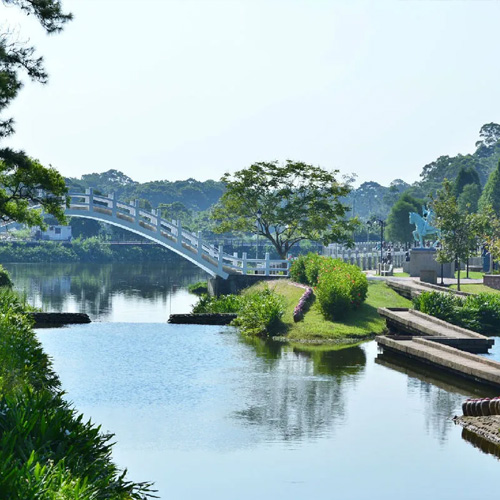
(206, 414)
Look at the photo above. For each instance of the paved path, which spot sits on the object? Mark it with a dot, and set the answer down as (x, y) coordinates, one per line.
(466, 364)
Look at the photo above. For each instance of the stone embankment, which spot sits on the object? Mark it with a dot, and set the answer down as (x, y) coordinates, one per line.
(482, 432)
(202, 319)
(51, 319)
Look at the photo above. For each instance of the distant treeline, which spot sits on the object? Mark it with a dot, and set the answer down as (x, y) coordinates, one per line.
(194, 195)
(89, 250)
(190, 200)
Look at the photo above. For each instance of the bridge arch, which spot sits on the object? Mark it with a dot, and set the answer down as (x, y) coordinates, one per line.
(169, 234)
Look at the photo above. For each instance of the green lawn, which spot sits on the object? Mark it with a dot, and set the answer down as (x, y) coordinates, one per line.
(475, 275)
(475, 288)
(361, 323)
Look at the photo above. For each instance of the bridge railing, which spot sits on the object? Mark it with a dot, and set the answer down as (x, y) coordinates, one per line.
(173, 235)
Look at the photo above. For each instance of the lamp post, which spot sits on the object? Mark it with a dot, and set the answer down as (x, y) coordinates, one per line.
(382, 226)
(259, 215)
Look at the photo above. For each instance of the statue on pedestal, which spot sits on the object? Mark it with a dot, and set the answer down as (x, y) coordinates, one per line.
(424, 227)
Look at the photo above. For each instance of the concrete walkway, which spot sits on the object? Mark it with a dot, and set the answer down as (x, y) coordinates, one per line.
(468, 365)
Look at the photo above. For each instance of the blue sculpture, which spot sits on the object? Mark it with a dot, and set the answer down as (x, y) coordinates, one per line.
(424, 227)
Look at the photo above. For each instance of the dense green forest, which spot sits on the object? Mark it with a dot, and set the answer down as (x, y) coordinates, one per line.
(369, 199)
(190, 200)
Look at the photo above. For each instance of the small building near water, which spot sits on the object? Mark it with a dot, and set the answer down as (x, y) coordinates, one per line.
(53, 233)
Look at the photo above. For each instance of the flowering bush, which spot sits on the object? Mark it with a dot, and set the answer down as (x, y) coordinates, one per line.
(298, 270)
(260, 313)
(313, 266)
(302, 306)
(341, 287)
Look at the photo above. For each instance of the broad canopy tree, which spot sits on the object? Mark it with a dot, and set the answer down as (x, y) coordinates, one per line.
(24, 181)
(460, 230)
(286, 204)
(398, 225)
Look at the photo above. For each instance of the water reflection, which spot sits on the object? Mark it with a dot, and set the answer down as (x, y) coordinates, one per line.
(440, 392)
(306, 392)
(101, 290)
(480, 443)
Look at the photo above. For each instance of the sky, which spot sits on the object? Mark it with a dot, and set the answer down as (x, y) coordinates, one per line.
(173, 89)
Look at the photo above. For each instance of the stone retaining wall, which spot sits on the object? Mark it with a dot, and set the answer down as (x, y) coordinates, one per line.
(49, 320)
(202, 319)
(492, 280)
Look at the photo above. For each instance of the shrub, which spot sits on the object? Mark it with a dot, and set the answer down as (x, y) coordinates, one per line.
(484, 310)
(198, 288)
(480, 312)
(440, 305)
(260, 313)
(5, 280)
(223, 304)
(312, 267)
(341, 288)
(298, 270)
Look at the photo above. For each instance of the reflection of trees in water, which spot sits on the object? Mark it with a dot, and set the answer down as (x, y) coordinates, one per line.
(300, 393)
(442, 393)
(92, 286)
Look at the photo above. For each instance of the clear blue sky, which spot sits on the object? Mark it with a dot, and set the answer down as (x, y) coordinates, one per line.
(171, 89)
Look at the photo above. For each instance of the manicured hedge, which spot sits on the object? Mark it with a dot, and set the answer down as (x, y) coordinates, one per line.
(339, 287)
(480, 312)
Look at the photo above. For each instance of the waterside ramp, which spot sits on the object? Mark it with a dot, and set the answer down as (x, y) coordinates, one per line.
(439, 344)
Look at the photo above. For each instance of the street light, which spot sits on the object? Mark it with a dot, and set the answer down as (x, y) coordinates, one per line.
(382, 226)
(259, 215)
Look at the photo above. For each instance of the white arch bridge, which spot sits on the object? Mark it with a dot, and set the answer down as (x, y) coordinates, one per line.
(169, 234)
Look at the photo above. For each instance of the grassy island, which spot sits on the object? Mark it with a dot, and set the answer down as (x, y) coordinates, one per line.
(324, 301)
(362, 323)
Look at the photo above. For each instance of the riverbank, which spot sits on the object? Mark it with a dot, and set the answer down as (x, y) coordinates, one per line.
(89, 250)
(47, 450)
(486, 427)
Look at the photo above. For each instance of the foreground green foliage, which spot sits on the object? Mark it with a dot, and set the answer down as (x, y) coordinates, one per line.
(5, 280)
(480, 312)
(47, 451)
(340, 287)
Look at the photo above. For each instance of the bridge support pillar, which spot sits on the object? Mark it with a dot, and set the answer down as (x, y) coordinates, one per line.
(90, 192)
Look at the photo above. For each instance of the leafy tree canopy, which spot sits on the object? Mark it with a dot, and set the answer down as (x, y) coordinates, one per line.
(295, 202)
(459, 230)
(491, 192)
(24, 181)
(398, 225)
(469, 198)
(466, 175)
